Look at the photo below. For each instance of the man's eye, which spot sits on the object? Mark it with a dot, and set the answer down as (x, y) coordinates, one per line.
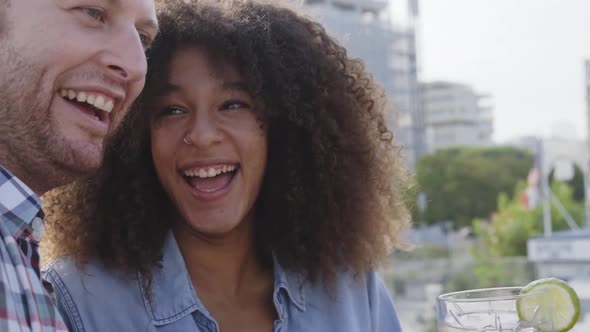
(95, 13)
(146, 40)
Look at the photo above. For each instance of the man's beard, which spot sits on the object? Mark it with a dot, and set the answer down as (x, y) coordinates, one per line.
(34, 146)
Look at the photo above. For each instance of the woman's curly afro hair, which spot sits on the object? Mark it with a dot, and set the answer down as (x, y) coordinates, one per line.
(331, 199)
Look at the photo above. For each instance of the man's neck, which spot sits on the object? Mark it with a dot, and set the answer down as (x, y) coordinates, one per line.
(39, 174)
(21, 173)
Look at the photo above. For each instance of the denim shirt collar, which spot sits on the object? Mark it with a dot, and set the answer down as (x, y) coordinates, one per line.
(293, 284)
(173, 296)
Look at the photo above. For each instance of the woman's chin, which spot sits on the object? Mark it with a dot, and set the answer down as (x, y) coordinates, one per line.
(209, 229)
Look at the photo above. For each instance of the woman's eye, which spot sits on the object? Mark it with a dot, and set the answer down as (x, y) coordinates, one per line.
(95, 13)
(234, 105)
(172, 110)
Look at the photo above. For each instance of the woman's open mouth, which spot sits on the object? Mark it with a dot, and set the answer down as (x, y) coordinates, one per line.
(210, 179)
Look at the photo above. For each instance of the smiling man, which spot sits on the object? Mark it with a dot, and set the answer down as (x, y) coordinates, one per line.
(69, 70)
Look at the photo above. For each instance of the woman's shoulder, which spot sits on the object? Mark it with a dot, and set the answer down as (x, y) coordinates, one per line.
(87, 293)
(92, 276)
(360, 288)
(362, 301)
(67, 265)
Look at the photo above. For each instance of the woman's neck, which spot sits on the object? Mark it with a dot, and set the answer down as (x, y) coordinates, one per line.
(226, 265)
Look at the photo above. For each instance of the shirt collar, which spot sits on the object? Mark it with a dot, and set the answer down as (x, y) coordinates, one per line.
(18, 204)
(292, 283)
(173, 296)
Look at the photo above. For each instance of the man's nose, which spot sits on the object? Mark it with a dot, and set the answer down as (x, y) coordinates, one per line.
(124, 57)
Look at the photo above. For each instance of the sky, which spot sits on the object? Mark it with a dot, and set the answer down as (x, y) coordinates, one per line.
(528, 54)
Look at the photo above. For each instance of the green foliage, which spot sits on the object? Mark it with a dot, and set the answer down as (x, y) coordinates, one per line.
(512, 225)
(463, 183)
(576, 183)
(425, 251)
(488, 271)
(499, 257)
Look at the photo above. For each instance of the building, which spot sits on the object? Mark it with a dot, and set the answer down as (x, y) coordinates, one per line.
(587, 173)
(587, 67)
(455, 115)
(558, 152)
(388, 50)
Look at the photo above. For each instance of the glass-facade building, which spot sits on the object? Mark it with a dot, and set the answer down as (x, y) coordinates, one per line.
(388, 50)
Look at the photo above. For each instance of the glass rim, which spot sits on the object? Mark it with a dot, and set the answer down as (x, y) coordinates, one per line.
(452, 297)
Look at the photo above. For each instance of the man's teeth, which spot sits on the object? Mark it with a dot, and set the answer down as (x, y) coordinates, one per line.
(209, 172)
(97, 100)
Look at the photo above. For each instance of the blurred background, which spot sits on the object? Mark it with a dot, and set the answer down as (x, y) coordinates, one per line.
(493, 111)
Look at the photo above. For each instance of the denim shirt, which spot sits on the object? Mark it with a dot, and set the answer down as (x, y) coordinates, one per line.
(98, 299)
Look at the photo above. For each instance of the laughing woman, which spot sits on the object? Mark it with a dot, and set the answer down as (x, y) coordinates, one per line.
(253, 187)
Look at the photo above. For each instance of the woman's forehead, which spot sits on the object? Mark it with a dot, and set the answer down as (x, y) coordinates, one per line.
(205, 62)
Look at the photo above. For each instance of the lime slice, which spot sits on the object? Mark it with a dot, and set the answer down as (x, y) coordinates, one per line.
(550, 304)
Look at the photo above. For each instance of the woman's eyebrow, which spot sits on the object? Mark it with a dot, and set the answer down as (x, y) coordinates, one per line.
(239, 86)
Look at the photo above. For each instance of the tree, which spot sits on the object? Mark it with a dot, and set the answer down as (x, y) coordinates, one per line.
(576, 182)
(512, 225)
(499, 255)
(463, 183)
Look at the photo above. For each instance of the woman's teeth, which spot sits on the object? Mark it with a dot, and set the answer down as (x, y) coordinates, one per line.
(209, 172)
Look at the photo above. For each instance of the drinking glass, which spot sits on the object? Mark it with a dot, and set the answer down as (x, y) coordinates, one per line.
(491, 309)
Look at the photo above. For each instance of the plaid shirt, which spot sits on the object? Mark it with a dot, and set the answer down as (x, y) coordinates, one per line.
(25, 305)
